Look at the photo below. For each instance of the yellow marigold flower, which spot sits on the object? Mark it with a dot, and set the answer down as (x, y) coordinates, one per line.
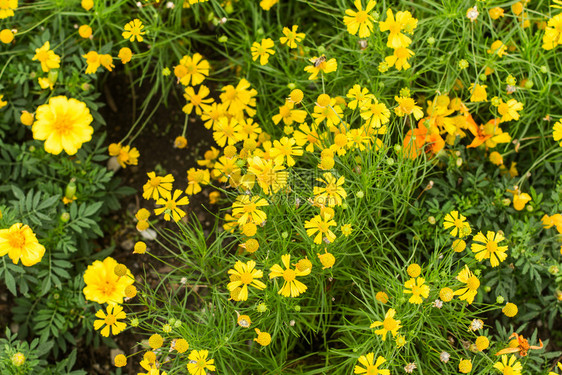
(262, 50)
(407, 106)
(291, 286)
(27, 118)
(20, 243)
(157, 186)
(267, 4)
(85, 31)
(498, 48)
(417, 288)
(458, 245)
(400, 58)
(133, 30)
(320, 225)
(155, 341)
(520, 200)
(389, 324)
(446, 294)
(482, 343)
(478, 93)
(414, 270)
(510, 310)
(461, 228)
(87, 4)
(472, 283)
(170, 206)
(114, 312)
(64, 124)
(103, 285)
(198, 362)
(6, 36)
(319, 64)
(371, 367)
(509, 366)
(509, 110)
(264, 338)
(244, 321)
(465, 366)
(199, 100)
(128, 156)
(196, 178)
(488, 248)
(120, 360)
(48, 59)
(243, 275)
(7, 8)
(125, 54)
(181, 345)
(382, 297)
(291, 37)
(360, 21)
(327, 259)
(404, 21)
(332, 194)
(496, 13)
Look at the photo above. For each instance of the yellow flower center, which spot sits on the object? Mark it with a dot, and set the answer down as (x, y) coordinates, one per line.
(63, 125)
(201, 363)
(389, 324)
(196, 100)
(250, 207)
(171, 205)
(246, 278)
(43, 56)
(394, 28)
(492, 246)
(508, 370)
(155, 182)
(407, 105)
(108, 288)
(284, 111)
(372, 370)
(289, 275)
(473, 283)
(110, 320)
(17, 240)
(361, 16)
(416, 290)
(458, 223)
(401, 53)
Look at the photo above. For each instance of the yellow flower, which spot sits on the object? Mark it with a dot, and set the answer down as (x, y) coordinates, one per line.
(382, 297)
(332, 194)
(244, 321)
(520, 200)
(553, 33)
(19, 242)
(7, 8)
(85, 31)
(414, 270)
(291, 37)
(198, 362)
(264, 338)
(198, 100)
(478, 93)
(327, 259)
(285, 148)
(510, 310)
(458, 245)
(557, 132)
(404, 21)
(446, 294)
(472, 283)
(133, 30)
(125, 54)
(170, 206)
(181, 345)
(247, 209)
(140, 248)
(192, 70)
(103, 285)
(26, 118)
(155, 341)
(461, 228)
(289, 114)
(196, 178)
(262, 50)
(93, 61)
(417, 288)
(360, 21)
(48, 59)
(346, 229)
(509, 110)
(482, 343)
(6, 36)
(320, 225)
(509, 366)
(243, 275)
(488, 248)
(63, 124)
(120, 360)
(319, 64)
(465, 366)
(114, 312)
(157, 186)
(496, 13)
(371, 367)
(407, 106)
(400, 58)
(498, 48)
(389, 324)
(127, 156)
(87, 4)
(291, 286)
(107, 61)
(267, 4)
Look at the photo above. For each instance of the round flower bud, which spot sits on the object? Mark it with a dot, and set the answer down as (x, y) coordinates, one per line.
(140, 248)
(180, 142)
(414, 270)
(249, 229)
(261, 308)
(431, 40)
(244, 321)
(296, 96)
(223, 39)
(85, 31)
(446, 294)
(181, 346)
(87, 4)
(360, 194)
(264, 338)
(304, 264)
(120, 360)
(26, 118)
(500, 299)
(6, 36)
(18, 359)
(142, 225)
(166, 328)
(465, 366)
(120, 270)
(382, 297)
(130, 291)
(155, 341)
(431, 220)
(252, 245)
(459, 246)
(327, 259)
(510, 310)
(482, 343)
(230, 151)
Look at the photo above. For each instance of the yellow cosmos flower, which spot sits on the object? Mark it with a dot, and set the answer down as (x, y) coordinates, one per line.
(389, 324)
(198, 362)
(262, 50)
(404, 21)
(196, 178)
(133, 30)
(488, 247)
(291, 36)
(103, 285)
(461, 228)
(192, 70)
(509, 366)
(371, 367)
(114, 312)
(64, 124)
(319, 228)
(291, 286)
(20, 243)
(320, 65)
(48, 59)
(472, 283)
(170, 206)
(157, 186)
(417, 288)
(360, 21)
(247, 209)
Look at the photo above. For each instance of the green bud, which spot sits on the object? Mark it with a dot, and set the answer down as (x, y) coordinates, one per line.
(260, 31)
(134, 322)
(390, 161)
(53, 75)
(487, 289)
(177, 323)
(529, 84)
(64, 217)
(18, 359)
(261, 308)
(344, 206)
(321, 49)
(500, 299)
(223, 39)
(553, 270)
(544, 69)
(291, 86)
(297, 308)
(431, 220)
(70, 190)
(431, 40)
(360, 194)
(483, 77)
(284, 235)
